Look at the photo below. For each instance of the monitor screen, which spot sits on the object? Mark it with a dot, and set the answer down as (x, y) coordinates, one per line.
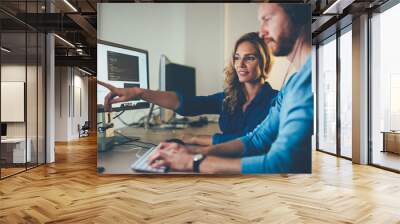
(123, 67)
(3, 129)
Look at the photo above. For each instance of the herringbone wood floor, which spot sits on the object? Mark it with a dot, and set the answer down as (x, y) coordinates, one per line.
(70, 191)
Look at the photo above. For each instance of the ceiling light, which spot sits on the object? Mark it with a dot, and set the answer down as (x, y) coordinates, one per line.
(338, 6)
(70, 5)
(86, 72)
(64, 40)
(5, 50)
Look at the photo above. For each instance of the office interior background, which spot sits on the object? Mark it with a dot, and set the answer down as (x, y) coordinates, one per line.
(48, 65)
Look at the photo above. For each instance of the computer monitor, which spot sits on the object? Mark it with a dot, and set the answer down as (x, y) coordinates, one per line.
(177, 78)
(3, 130)
(123, 67)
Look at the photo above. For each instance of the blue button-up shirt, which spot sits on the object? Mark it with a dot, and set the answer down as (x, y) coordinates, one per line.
(282, 142)
(232, 124)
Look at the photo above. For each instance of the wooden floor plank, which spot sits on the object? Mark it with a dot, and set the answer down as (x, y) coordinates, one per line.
(70, 191)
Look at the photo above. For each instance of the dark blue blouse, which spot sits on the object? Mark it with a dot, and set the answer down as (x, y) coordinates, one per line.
(232, 124)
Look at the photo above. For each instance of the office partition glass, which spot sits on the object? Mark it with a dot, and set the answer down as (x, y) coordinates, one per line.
(13, 87)
(22, 61)
(327, 95)
(346, 93)
(33, 85)
(41, 79)
(31, 98)
(385, 89)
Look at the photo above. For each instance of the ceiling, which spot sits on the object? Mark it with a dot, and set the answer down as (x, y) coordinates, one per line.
(76, 22)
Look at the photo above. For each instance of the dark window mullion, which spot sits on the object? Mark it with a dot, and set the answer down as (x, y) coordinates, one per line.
(37, 90)
(338, 73)
(369, 96)
(26, 86)
(317, 96)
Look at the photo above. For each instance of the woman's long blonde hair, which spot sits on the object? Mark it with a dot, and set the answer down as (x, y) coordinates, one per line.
(235, 92)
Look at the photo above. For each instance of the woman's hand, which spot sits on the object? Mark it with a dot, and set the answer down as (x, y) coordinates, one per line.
(117, 95)
(172, 155)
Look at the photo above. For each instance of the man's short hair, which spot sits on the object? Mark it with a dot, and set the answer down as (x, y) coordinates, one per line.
(299, 15)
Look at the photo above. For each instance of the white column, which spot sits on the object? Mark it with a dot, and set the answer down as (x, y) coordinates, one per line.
(50, 99)
(50, 92)
(360, 90)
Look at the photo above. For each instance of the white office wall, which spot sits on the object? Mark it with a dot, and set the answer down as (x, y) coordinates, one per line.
(240, 18)
(80, 104)
(12, 101)
(157, 28)
(14, 73)
(204, 48)
(34, 124)
(71, 96)
(61, 104)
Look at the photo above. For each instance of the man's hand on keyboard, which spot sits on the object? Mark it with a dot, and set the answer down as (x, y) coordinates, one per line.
(172, 155)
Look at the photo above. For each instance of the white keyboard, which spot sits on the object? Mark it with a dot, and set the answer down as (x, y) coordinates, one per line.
(141, 164)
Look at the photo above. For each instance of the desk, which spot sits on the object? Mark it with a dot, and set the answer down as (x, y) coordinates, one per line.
(13, 150)
(119, 159)
(391, 141)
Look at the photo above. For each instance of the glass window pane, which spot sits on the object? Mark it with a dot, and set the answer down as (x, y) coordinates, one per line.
(327, 97)
(31, 98)
(385, 114)
(346, 94)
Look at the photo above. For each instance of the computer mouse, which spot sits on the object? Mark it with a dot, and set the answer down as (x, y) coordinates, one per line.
(175, 140)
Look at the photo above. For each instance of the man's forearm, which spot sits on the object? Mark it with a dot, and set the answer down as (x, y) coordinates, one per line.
(216, 165)
(228, 149)
(202, 140)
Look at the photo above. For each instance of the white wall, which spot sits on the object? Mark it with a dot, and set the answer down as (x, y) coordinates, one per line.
(157, 28)
(204, 45)
(33, 126)
(61, 103)
(69, 82)
(12, 73)
(81, 104)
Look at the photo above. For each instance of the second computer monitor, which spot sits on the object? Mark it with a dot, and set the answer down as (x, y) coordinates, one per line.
(177, 78)
(181, 79)
(3, 129)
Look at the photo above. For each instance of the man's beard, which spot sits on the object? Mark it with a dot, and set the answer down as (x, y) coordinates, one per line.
(285, 44)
